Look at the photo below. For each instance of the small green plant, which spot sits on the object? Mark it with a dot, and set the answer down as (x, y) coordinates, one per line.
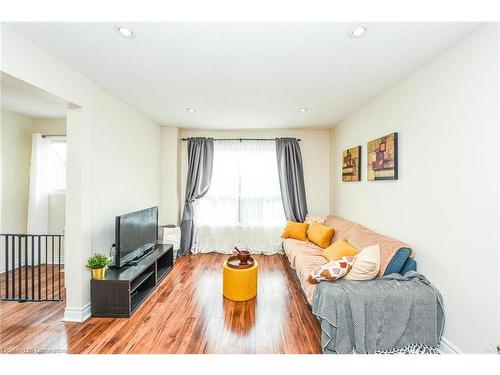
(498, 349)
(97, 261)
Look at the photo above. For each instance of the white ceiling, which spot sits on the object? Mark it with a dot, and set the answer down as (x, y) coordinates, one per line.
(20, 97)
(245, 75)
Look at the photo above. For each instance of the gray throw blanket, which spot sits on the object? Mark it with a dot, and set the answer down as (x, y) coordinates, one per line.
(382, 314)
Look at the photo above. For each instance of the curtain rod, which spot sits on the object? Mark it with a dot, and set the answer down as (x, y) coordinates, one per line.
(242, 139)
(53, 135)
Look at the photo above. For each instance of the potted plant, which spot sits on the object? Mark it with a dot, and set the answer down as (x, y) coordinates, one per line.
(97, 264)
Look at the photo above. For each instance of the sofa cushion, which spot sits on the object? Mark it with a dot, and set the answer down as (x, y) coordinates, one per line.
(339, 249)
(295, 230)
(305, 265)
(308, 290)
(293, 247)
(320, 234)
(361, 237)
(342, 227)
(366, 264)
(397, 262)
(304, 256)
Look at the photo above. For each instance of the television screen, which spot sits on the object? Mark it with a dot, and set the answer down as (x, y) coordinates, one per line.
(136, 232)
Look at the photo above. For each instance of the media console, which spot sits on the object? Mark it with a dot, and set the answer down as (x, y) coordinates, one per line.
(123, 290)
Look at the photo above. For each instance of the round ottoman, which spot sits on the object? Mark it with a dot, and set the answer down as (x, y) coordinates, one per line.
(239, 284)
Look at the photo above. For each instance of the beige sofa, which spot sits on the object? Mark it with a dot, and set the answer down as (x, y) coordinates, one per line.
(304, 256)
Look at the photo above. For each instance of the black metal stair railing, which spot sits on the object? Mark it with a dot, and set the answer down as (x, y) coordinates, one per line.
(31, 268)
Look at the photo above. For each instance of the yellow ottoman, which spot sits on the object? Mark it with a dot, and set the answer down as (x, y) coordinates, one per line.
(239, 284)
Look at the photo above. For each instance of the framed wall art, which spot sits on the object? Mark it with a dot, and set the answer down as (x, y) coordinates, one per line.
(351, 164)
(383, 158)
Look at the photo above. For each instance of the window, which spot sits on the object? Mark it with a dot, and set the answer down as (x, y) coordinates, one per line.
(245, 187)
(243, 205)
(56, 167)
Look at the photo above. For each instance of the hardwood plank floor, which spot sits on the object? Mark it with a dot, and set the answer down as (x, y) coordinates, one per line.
(23, 282)
(185, 314)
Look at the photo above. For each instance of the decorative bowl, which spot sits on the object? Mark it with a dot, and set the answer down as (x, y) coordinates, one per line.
(243, 256)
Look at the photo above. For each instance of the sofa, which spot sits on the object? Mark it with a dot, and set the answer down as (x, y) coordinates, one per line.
(304, 256)
(399, 311)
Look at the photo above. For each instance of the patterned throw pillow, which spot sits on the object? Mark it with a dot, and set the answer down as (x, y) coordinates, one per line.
(331, 271)
(315, 219)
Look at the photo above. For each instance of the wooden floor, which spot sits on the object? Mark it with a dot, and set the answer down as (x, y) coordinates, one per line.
(185, 314)
(42, 282)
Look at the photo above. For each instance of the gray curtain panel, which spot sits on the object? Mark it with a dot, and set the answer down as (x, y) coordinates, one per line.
(199, 175)
(291, 175)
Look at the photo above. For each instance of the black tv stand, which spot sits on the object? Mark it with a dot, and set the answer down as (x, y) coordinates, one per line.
(124, 289)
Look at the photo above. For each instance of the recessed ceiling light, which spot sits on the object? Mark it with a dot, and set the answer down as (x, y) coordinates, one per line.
(358, 31)
(303, 109)
(192, 110)
(124, 32)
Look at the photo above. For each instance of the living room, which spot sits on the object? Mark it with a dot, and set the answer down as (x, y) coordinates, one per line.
(228, 183)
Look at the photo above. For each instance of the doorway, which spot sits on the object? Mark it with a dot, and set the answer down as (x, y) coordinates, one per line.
(33, 186)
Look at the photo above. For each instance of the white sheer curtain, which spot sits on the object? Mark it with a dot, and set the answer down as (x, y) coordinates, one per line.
(243, 205)
(38, 203)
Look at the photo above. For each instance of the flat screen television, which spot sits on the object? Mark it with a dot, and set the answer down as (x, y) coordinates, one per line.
(135, 234)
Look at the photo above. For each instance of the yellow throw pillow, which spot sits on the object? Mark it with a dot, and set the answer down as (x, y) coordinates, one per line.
(339, 249)
(320, 234)
(295, 230)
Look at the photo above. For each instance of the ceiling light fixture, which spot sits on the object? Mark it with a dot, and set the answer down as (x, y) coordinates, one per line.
(191, 110)
(303, 109)
(358, 31)
(124, 32)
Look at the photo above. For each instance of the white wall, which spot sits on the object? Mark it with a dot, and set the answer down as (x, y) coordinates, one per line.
(170, 186)
(15, 157)
(18, 55)
(16, 161)
(49, 126)
(498, 202)
(315, 148)
(445, 203)
(125, 165)
(113, 133)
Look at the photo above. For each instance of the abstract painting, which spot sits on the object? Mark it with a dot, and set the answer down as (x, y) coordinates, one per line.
(383, 158)
(351, 164)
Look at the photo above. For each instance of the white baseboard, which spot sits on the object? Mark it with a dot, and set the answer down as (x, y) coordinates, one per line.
(55, 260)
(77, 314)
(446, 347)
